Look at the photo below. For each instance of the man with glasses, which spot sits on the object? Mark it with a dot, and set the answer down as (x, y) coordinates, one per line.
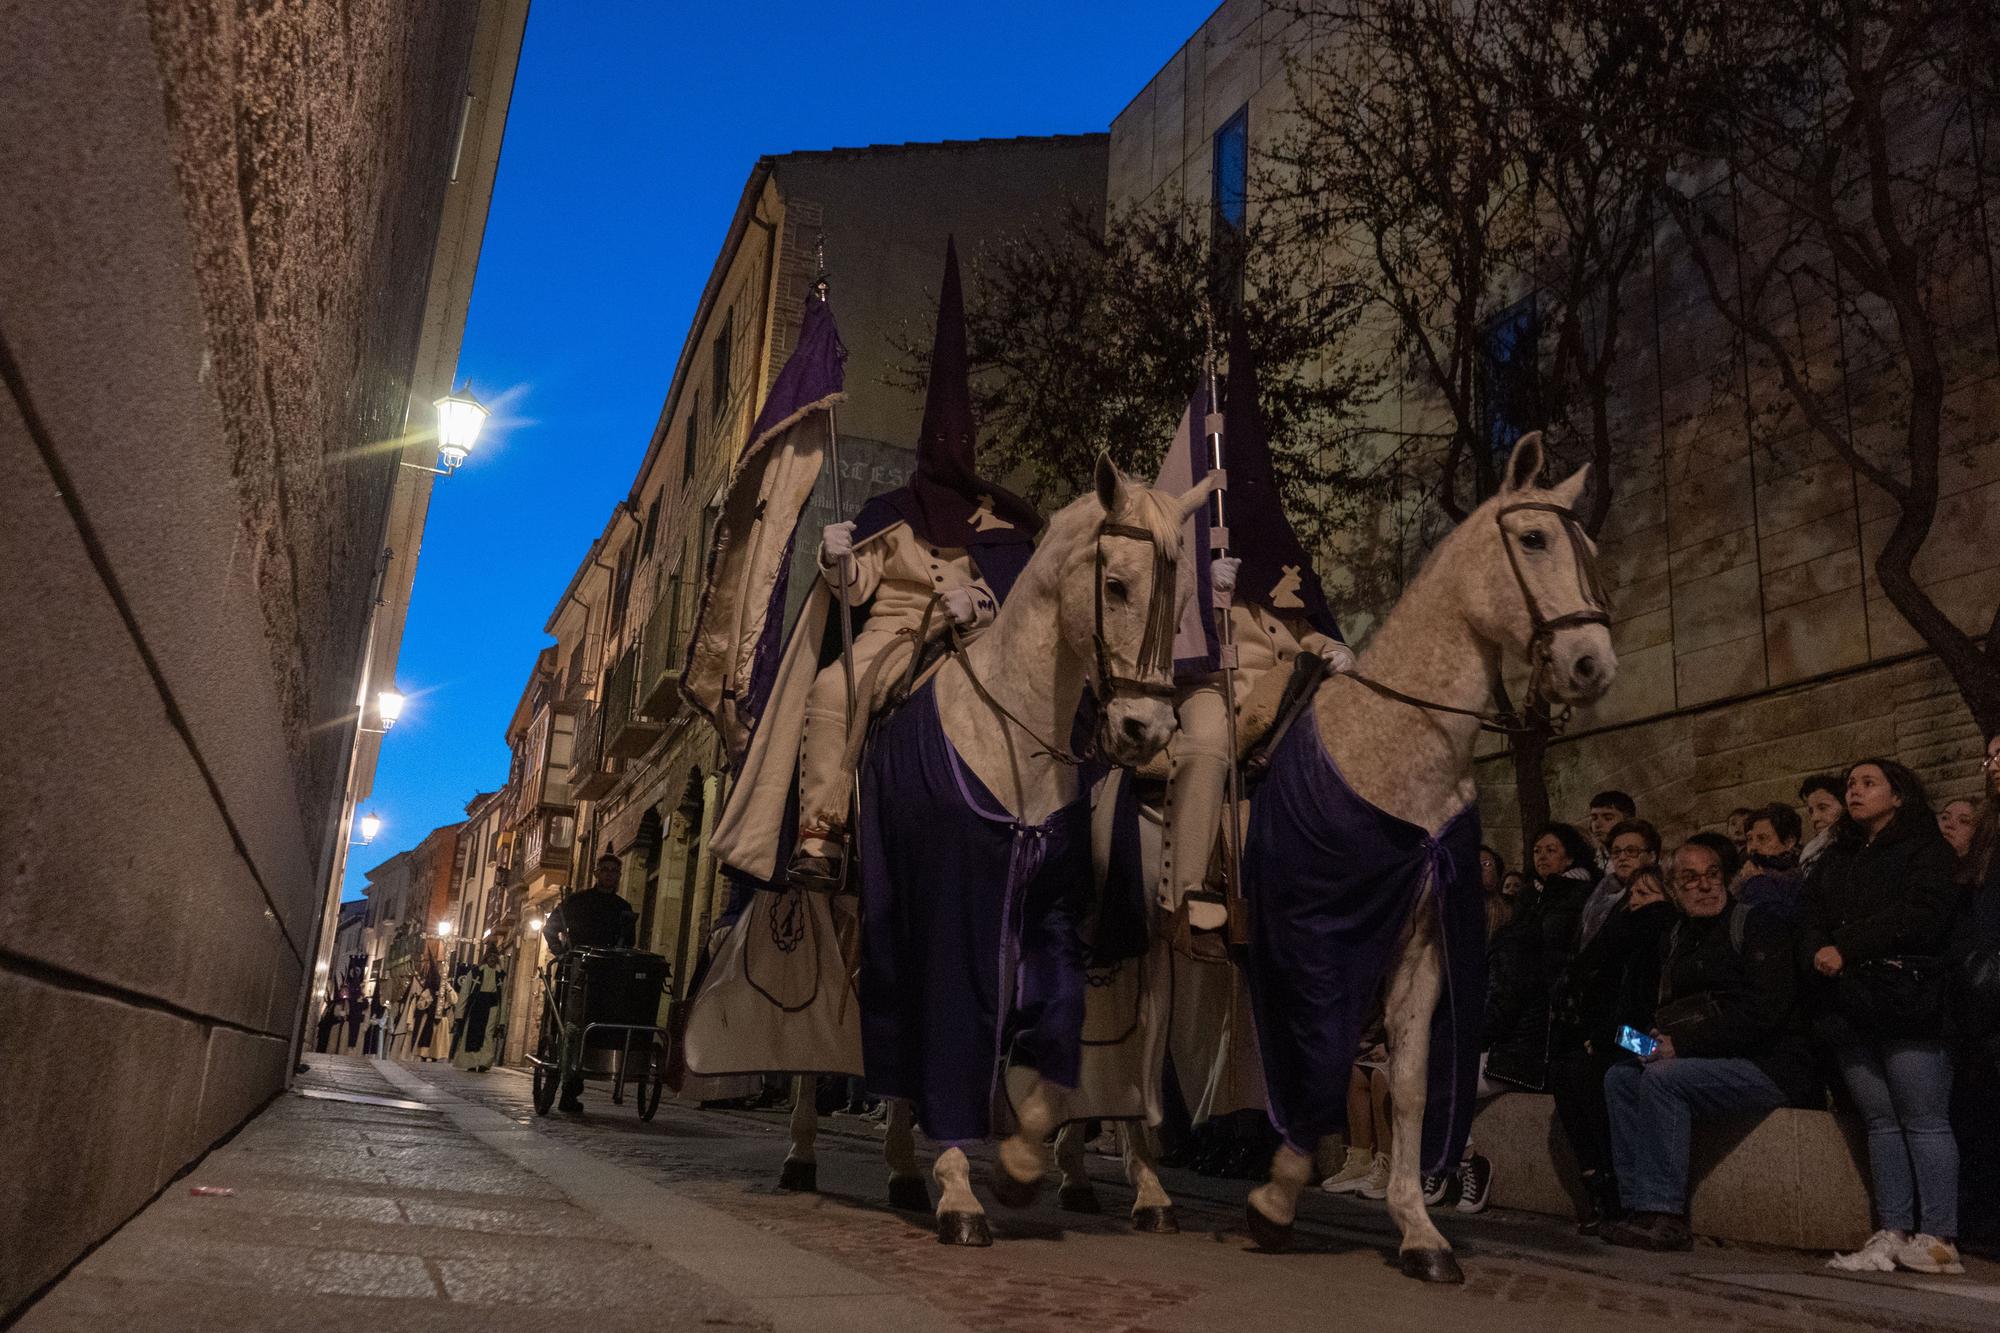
(1632, 843)
(1729, 1041)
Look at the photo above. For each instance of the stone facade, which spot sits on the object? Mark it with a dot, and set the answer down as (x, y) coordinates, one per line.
(217, 223)
(1755, 645)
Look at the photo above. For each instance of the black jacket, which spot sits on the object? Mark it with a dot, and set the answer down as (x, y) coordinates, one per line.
(1516, 1034)
(1877, 900)
(1754, 1012)
(1614, 981)
(1560, 913)
(592, 919)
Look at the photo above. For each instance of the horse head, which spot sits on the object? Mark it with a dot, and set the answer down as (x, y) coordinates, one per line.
(1529, 583)
(1119, 602)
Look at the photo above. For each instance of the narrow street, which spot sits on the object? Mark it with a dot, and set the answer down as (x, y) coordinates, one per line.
(393, 1196)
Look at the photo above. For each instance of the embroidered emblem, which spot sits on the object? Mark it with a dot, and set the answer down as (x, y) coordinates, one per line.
(984, 519)
(1286, 594)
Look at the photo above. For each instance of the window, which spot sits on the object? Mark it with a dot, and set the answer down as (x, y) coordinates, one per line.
(719, 360)
(1509, 397)
(1231, 199)
(1232, 171)
(652, 527)
(693, 438)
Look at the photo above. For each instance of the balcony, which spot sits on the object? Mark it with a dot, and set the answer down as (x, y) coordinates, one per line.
(546, 842)
(591, 775)
(661, 646)
(628, 731)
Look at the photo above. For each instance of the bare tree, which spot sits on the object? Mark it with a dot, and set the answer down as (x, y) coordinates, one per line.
(1838, 144)
(1089, 338)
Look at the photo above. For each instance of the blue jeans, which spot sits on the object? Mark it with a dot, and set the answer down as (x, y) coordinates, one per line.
(1652, 1118)
(1903, 1091)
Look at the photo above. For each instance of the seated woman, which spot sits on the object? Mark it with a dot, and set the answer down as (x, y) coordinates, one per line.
(1728, 1041)
(1878, 905)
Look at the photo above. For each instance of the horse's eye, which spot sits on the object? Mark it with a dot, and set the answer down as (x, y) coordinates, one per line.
(1533, 539)
(1115, 588)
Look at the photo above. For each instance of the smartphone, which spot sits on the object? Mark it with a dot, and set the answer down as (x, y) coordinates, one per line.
(1636, 1041)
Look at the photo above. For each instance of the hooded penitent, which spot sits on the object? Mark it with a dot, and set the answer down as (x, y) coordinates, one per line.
(1277, 574)
(947, 503)
(733, 650)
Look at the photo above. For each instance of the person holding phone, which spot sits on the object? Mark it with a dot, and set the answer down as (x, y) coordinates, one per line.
(1729, 1041)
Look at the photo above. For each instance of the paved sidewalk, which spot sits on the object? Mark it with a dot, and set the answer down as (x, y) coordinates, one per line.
(382, 1196)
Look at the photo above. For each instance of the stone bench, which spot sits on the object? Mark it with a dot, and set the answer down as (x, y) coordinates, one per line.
(1796, 1178)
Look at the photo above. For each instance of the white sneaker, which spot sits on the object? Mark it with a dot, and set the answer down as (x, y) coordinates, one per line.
(1927, 1254)
(1877, 1256)
(1377, 1184)
(1353, 1173)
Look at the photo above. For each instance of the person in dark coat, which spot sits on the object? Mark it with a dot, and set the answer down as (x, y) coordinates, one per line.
(1975, 1112)
(1770, 877)
(596, 918)
(1614, 982)
(1878, 914)
(1729, 1041)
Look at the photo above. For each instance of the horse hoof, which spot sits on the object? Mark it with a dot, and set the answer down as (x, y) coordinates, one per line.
(1264, 1233)
(963, 1229)
(1011, 1192)
(1431, 1266)
(1078, 1199)
(1158, 1221)
(800, 1176)
(909, 1193)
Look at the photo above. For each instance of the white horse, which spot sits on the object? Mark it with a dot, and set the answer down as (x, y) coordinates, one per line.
(1097, 605)
(1515, 579)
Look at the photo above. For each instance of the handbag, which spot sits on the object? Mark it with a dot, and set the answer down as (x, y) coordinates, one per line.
(1898, 996)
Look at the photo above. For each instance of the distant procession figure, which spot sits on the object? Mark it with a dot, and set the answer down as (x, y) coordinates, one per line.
(480, 1009)
(354, 1006)
(329, 1018)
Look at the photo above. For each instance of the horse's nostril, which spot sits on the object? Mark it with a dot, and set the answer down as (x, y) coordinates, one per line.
(1586, 668)
(1135, 729)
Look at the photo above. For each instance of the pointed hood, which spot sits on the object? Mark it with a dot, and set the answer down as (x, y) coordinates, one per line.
(1277, 573)
(947, 502)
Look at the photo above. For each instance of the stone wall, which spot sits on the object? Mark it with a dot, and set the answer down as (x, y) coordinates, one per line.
(1755, 643)
(216, 221)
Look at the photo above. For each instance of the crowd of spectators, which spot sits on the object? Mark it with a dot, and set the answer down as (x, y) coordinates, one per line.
(1842, 953)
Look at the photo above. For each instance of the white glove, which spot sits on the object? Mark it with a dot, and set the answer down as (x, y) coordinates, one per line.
(836, 543)
(1222, 573)
(960, 605)
(1337, 655)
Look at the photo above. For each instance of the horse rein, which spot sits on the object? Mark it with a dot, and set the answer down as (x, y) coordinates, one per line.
(1156, 643)
(1521, 722)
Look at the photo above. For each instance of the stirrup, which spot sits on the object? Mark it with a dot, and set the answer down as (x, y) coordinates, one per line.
(815, 874)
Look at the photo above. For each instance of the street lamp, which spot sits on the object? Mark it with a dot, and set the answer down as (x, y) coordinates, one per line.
(460, 417)
(388, 707)
(444, 930)
(371, 824)
(535, 924)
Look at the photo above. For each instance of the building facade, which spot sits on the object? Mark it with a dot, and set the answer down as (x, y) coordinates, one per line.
(1755, 644)
(649, 776)
(228, 267)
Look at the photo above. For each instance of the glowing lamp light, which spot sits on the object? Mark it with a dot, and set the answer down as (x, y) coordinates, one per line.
(371, 824)
(460, 417)
(388, 707)
(444, 930)
(535, 924)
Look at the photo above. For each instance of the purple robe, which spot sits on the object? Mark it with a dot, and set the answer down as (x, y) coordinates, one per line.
(1331, 880)
(971, 955)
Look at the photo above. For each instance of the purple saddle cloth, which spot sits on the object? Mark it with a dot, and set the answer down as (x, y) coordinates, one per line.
(970, 945)
(1331, 881)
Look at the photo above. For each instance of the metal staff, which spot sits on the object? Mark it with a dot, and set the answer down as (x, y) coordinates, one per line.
(844, 612)
(1218, 547)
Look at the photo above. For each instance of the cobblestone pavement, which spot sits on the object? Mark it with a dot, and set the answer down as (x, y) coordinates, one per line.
(1049, 1268)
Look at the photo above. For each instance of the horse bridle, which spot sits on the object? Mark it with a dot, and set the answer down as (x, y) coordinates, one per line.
(1154, 663)
(1595, 611)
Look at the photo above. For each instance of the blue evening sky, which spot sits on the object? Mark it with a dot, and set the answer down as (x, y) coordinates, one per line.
(633, 127)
